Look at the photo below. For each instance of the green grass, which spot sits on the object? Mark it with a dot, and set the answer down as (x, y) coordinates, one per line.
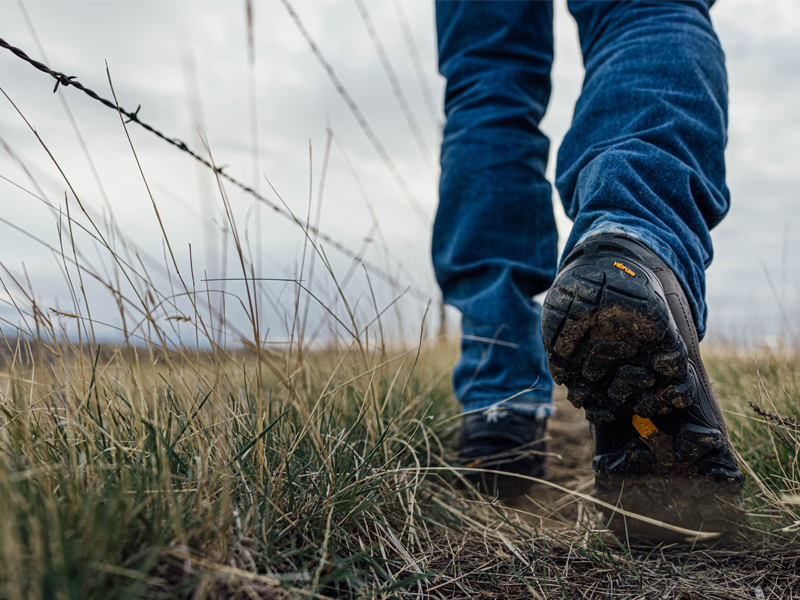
(759, 391)
(117, 480)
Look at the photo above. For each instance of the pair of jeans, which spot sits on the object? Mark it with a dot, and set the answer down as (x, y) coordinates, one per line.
(643, 156)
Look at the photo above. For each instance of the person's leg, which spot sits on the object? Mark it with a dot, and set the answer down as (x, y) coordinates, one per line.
(642, 174)
(645, 153)
(494, 239)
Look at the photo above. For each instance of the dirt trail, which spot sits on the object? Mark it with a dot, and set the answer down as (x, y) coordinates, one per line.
(569, 465)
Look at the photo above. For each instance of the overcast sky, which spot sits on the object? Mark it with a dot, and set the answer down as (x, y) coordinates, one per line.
(186, 64)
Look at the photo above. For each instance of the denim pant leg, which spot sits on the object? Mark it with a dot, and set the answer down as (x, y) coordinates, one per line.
(644, 155)
(494, 238)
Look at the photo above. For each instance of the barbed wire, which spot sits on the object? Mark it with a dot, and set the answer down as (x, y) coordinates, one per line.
(362, 121)
(133, 117)
(394, 82)
(413, 50)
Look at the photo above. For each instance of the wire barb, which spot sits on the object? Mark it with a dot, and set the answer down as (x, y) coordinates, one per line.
(64, 80)
(135, 115)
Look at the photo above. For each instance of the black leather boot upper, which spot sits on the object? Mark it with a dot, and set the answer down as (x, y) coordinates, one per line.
(504, 443)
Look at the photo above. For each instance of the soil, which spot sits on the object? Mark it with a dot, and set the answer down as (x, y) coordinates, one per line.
(569, 465)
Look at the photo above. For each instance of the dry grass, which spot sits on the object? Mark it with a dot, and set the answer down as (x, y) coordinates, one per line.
(143, 473)
(182, 465)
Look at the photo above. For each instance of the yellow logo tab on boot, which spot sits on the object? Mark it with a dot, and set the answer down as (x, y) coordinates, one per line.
(645, 427)
(622, 267)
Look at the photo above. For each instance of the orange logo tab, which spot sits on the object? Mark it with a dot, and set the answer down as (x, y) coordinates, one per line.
(624, 268)
(645, 427)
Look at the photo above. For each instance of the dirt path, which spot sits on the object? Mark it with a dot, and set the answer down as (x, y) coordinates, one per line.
(569, 465)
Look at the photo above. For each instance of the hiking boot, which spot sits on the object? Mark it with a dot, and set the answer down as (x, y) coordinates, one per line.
(619, 335)
(505, 443)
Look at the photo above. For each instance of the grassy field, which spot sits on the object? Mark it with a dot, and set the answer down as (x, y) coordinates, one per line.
(237, 471)
(137, 473)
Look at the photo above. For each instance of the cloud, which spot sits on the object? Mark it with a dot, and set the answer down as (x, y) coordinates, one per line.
(149, 45)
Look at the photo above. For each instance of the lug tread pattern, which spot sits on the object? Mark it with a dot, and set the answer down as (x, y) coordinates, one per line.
(607, 334)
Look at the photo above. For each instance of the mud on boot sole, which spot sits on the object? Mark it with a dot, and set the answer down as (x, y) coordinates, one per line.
(673, 479)
(610, 340)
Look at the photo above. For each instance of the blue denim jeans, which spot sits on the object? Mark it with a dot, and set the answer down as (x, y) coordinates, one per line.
(644, 156)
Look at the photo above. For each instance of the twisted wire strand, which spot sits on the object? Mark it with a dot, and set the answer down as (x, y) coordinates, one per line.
(133, 117)
(416, 58)
(394, 82)
(419, 209)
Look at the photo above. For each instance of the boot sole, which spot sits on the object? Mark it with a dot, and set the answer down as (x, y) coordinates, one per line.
(611, 341)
